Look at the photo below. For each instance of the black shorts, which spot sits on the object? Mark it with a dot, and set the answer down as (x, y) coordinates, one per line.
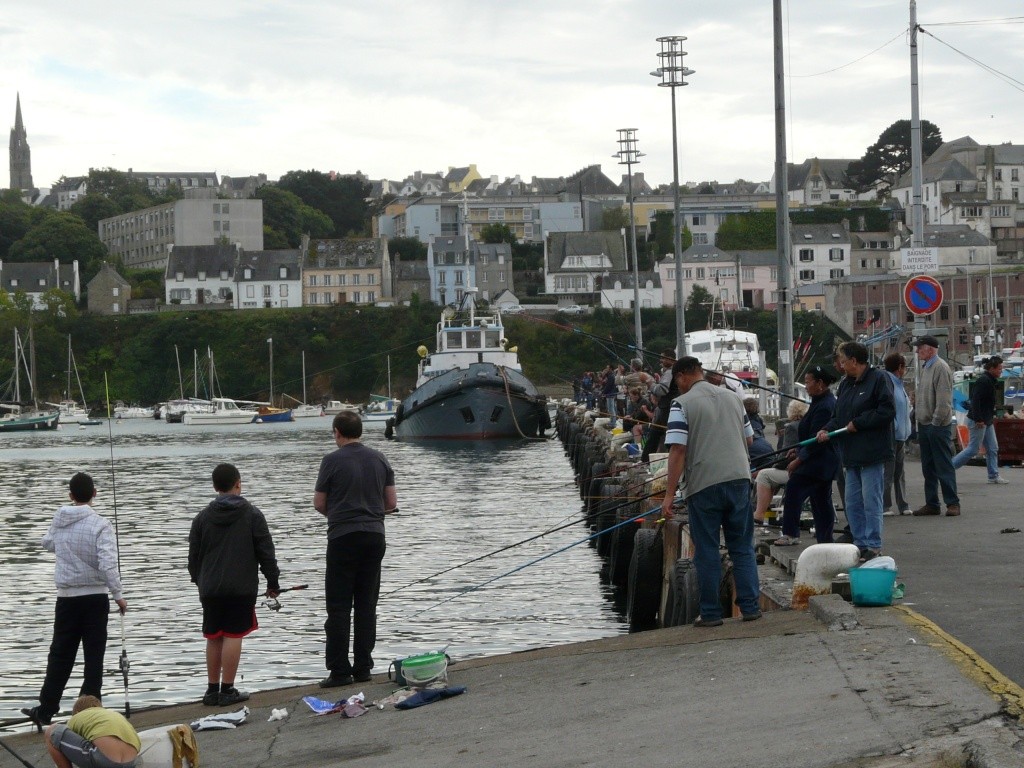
(228, 617)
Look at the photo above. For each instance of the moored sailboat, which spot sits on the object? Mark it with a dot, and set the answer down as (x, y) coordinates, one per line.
(14, 416)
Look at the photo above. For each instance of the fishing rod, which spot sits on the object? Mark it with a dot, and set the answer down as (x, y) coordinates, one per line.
(524, 541)
(539, 559)
(123, 663)
(801, 444)
(274, 604)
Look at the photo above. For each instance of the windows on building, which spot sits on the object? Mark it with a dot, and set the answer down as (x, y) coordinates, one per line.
(700, 273)
(807, 274)
(700, 238)
(836, 254)
(250, 291)
(459, 276)
(283, 290)
(806, 254)
(835, 274)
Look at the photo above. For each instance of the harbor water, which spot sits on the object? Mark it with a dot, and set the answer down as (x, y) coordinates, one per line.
(456, 502)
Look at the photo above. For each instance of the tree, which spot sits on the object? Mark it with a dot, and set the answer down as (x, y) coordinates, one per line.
(342, 198)
(127, 192)
(62, 236)
(15, 220)
(614, 219)
(700, 297)
(889, 158)
(94, 207)
(407, 248)
(664, 235)
(498, 233)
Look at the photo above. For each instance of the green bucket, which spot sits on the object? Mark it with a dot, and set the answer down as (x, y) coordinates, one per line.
(419, 670)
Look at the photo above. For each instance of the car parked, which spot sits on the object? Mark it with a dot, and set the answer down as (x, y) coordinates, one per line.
(513, 309)
(573, 309)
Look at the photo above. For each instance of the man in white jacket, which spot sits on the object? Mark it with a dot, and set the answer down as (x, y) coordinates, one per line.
(86, 551)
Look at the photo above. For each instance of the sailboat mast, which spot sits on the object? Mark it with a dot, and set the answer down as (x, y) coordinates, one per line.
(389, 377)
(195, 373)
(304, 377)
(181, 387)
(67, 392)
(32, 363)
(18, 356)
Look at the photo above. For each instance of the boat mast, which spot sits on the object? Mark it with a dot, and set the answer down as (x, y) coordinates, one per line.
(304, 377)
(177, 359)
(68, 390)
(19, 356)
(270, 343)
(32, 364)
(195, 373)
(389, 377)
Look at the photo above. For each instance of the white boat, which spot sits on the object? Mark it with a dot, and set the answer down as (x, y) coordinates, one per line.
(334, 407)
(381, 408)
(173, 411)
(221, 410)
(70, 410)
(13, 417)
(122, 411)
(302, 410)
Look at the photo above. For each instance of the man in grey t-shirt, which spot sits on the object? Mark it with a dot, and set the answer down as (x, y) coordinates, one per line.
(355, 489)
(707, 436)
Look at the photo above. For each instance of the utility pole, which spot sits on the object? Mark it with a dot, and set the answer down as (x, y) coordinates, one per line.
(783, 307)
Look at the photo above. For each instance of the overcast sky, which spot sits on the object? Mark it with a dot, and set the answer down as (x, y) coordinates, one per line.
(531, 87)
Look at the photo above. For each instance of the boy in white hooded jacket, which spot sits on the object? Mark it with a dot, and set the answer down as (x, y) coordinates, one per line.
(86, 550)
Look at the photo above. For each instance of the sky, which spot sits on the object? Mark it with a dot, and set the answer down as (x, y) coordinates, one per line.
(528, 88)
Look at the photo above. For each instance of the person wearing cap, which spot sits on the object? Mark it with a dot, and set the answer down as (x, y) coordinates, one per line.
(896, 368)
(980, 418)
(707, 436)
(866, 409)
(933, 409)
(812, 467)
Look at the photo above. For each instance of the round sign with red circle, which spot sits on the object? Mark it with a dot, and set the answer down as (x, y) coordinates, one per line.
(922, 294)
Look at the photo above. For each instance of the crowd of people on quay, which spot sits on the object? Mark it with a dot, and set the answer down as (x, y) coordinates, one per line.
(851, 435)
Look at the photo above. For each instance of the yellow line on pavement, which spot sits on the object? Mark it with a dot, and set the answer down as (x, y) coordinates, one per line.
(972, 664)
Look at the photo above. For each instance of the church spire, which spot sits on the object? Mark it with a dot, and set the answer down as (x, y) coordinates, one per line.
(21, 156)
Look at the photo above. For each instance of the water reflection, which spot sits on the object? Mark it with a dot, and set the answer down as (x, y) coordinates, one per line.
(458, 502)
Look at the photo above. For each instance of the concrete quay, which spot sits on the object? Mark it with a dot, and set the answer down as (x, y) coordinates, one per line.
(888, 690)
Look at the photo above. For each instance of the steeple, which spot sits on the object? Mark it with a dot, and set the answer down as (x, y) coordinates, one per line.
(21, 156)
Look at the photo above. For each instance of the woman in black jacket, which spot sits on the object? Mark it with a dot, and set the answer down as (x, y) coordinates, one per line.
(812, 467)
(980, 420)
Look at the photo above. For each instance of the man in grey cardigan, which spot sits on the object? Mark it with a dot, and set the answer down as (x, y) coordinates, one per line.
(933, 409)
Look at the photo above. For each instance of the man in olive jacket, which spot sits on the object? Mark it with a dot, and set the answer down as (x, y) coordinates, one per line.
(866, 408)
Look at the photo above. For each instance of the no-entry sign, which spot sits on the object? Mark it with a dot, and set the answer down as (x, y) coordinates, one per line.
(922, 294)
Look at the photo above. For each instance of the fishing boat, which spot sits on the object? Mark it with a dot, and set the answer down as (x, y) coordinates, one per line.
(725, 349)
(14, 415)
(472, 387)
(302, 410)
(334, 407)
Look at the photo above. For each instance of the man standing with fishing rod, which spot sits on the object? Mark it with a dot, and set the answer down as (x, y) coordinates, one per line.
(86, 550)
(708, 433)
(355, 489)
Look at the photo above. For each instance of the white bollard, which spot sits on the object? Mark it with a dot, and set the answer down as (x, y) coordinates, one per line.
(817, 566)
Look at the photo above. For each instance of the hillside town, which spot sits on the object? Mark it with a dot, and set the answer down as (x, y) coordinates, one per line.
(207, 242)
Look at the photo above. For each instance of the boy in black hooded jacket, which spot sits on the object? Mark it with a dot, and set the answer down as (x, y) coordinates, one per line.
(228, 541)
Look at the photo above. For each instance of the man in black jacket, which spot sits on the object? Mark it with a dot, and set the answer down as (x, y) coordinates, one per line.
(866, 408)
(980, 420)
(228, 541)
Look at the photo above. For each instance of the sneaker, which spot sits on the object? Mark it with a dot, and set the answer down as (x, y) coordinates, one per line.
(997, 480)
(926, 510)
(752, 616)
(890, 512)
(336, 681)
(700, 621)
(868, 554)
(953, 510)
(231, 696)
(906, 511)
(362, 677)
(211, 698)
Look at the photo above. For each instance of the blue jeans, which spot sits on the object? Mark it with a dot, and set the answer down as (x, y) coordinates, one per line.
(864, 486)
(724, 507)
(980, 435)
(609, 404)
(937, 464)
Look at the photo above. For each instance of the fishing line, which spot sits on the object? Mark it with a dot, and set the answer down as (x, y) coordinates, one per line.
(537, 560)
(801, 444)
(123, 664)
(555, 529)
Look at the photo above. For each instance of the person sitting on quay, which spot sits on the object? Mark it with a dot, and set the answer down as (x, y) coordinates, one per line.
(639, 415)
(759, 446)
(94, 737)
(768, 480)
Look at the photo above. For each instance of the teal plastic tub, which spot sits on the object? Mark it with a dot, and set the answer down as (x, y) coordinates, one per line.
(872, 586)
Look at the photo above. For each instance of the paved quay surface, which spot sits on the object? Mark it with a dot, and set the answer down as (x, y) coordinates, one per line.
(785, 690)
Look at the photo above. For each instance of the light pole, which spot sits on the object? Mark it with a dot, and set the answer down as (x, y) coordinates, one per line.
(673, 74)
(628, 155)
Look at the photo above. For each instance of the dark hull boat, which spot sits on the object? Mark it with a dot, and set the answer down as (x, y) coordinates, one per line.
(471, 388)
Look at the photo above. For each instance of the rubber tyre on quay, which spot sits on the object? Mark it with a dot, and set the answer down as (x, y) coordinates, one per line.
(644, 584)
(682, 604)
(610, 498)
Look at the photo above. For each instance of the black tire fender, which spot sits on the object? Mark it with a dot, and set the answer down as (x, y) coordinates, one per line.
(644, 584)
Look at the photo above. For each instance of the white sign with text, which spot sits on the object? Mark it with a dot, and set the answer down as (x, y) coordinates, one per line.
(918, 260)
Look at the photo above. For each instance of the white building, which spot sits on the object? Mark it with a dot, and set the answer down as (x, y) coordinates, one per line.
(34, 278)
(820, 252)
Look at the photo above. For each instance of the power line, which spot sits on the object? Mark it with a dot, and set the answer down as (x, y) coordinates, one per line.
(1011, 81)
(979, 22)
(851, 63)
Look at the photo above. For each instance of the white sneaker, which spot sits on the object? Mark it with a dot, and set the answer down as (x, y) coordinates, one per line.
(890, 512)
(998, 481)
(907, 511)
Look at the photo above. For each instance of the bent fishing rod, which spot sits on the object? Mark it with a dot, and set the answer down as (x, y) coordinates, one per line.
(540, 535)
(539, 559)
(123, 664)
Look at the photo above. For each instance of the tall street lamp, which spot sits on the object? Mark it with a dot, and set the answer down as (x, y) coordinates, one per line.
(628, 155)
(673, 74)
